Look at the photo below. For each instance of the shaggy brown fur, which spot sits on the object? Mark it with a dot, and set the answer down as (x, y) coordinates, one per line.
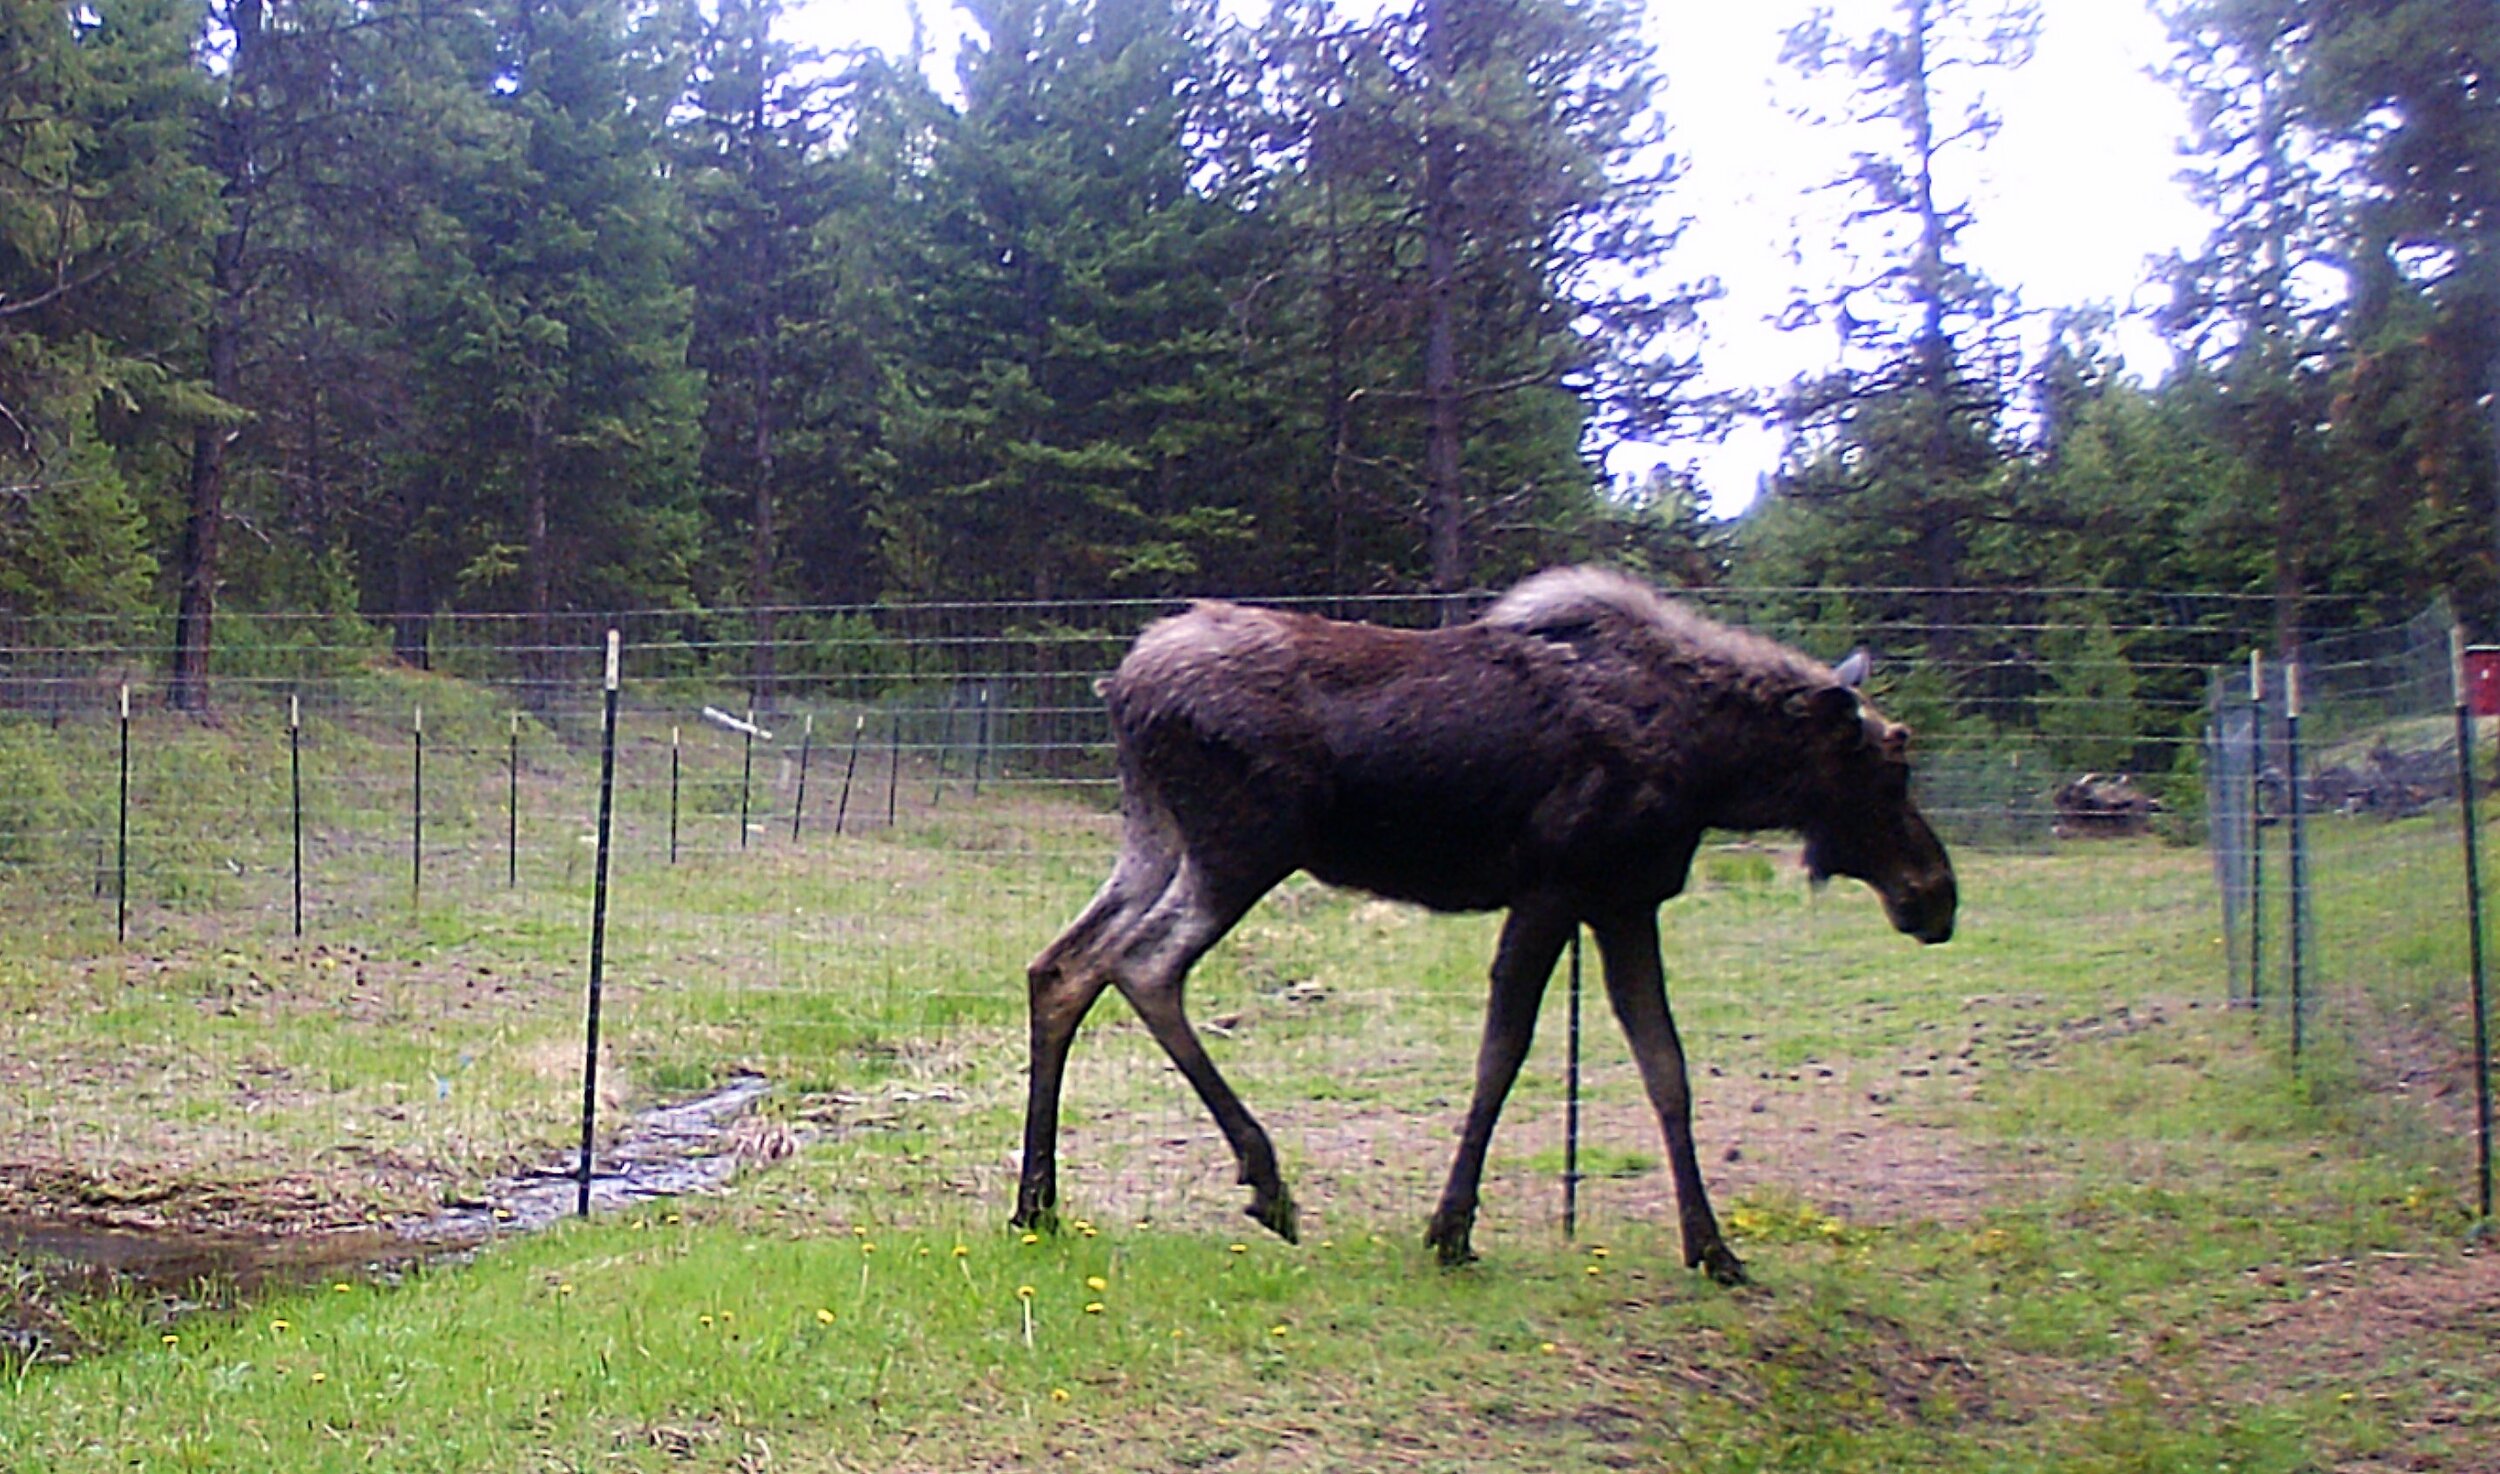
(1559, 757)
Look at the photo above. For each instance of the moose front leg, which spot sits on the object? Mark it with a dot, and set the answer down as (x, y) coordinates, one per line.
(1532, 939)
(1636, 985)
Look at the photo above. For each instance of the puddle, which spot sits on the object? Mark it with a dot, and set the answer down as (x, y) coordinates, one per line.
(691, 1146)
(664, 1152)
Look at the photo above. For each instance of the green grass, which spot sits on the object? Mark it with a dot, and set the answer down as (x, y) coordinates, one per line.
(2030, 1201)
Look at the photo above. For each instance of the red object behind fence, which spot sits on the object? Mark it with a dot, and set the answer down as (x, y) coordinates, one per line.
(2482, 680)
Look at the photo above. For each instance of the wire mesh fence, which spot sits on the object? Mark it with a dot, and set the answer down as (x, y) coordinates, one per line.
(2343, 856)
(331, 951)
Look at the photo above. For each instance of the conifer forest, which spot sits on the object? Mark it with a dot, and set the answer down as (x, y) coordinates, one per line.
(388, 308)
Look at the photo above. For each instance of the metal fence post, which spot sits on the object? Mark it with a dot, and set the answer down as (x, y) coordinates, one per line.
(416, 811)
(1571, 1100)
(295, 785)
(598, 932)
(2299, 873)
(121, 844)
(842, 810)
(807, 742)
(512, 809)
(2473, 920)
(2257, 831)
(746, 776)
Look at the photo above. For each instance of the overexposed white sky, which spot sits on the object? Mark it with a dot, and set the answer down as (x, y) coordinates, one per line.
(2070, 201)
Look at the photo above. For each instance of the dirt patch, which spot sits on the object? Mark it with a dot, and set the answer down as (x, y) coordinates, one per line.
(1869, 1369)
(2416, 1332)
(1868, 1140)
(1822, 1141)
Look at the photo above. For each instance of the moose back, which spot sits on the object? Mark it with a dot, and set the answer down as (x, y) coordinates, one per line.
(1558, 758)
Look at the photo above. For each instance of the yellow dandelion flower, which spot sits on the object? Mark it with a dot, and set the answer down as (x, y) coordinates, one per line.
(1547, 1347)
(824, 1317)
(1059, 1394)
(961, 1251)
(280, 1327)
(321, 1376)
(867, 1248)
(170, 1339)
(1595, 1270)
(342, 1288)
(1024, 1292)
(1238, 1248)
(703, 1320)
(565, 1288)
(1279, 1330)
(1097, 1283)
(859, 1230)
(1032, 1238)
(1093, 1307)
(1597, 1251)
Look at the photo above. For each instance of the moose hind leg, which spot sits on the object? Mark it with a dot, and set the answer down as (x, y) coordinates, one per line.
(1062, 984)
(1191, 917)
(1636, 985)
(1522, 964)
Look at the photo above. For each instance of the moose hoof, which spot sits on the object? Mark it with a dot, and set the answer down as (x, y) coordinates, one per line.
(1035, 1220)
(1277, 1215)
(1723, 1266)
(1450, 1244)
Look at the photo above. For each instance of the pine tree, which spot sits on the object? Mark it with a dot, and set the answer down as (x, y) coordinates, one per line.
(2237, 303)
(753, 160)
(1897, 457)
(1471, 327)
(2406, 88)
(102, 210)
(555, 331)
(1066, 417)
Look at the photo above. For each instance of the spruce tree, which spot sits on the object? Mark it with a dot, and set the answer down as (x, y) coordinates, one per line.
(1067, 416)
(752, 153)
(1480, 289)
(1896, 457)
(103, 212)
(555, 329)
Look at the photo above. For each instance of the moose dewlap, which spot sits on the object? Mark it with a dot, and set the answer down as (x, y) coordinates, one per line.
(1558, 759)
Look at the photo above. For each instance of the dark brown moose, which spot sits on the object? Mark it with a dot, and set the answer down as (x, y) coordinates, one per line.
(1559, 757)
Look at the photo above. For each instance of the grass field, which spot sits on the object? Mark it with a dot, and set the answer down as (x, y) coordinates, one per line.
(2032, 1200)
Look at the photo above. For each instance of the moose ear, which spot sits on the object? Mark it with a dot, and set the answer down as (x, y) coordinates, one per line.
(1827, 706)
(1853, 671)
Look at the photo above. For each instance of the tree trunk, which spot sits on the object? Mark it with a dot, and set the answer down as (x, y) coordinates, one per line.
(1940, 540)
(538, 662)
(762, 549)
(1445, 505)
(1338, 421)
(186, 684)
(411, 603)
(2491, 428)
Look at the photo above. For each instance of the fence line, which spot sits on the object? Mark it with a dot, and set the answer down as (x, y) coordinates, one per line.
(2361, 935)
(881, 912)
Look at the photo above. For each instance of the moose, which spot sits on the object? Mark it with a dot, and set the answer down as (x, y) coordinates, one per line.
(1558, 757)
